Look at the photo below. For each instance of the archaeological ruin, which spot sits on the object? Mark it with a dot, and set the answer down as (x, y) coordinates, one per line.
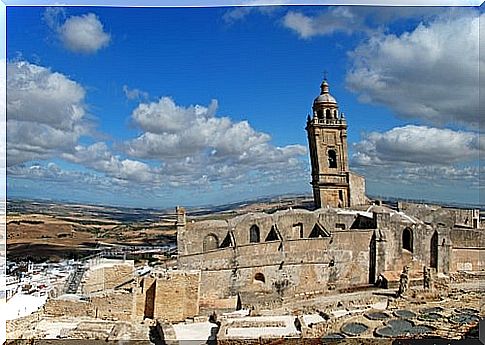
(346, 243)
(295, 271)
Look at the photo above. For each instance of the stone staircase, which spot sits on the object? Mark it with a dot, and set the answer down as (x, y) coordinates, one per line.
(74, 280)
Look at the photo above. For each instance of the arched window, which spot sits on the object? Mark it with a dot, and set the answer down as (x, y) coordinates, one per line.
(210, 242)
(407, 239)
(259, 277)
(328, 114)
(332, 159)
(320, 114)
(254, 234)
(335, 113)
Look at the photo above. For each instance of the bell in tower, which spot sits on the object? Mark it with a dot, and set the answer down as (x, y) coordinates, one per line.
(327, 138)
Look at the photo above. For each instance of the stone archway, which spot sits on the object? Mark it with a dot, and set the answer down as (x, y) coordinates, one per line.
(407, 239)
(254, 236)
(210, 242)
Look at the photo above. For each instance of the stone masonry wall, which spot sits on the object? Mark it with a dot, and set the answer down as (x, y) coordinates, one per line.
(167, 295)
(357, 190)
(468, 259)
(72, 307)
(107, 275)
(113, 306)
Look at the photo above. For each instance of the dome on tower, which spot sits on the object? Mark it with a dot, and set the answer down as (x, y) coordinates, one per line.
(325, 96)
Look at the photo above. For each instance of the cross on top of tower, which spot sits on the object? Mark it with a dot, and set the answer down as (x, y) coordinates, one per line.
(325, 75)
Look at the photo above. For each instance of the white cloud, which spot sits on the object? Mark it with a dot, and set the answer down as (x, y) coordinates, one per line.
(420, 157)
(46, 112)
(100, 158)
(194, 144)
(75, 181)
(187, 146)
(46, 119)
(430, 73)
(335, 19)
(81, 34)
(354, 19)
(418, 145)
(134, 94)
(53, 16)
(235, 14)
(239, 13)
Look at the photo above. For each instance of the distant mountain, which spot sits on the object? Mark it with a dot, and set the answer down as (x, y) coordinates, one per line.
(269, 203)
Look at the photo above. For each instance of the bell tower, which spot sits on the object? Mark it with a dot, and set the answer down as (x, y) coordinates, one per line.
(327, 138)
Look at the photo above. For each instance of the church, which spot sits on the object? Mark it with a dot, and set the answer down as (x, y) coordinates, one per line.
(334, 185)
(285, 258)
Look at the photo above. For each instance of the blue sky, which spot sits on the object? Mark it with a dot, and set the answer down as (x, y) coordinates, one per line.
(155, 107)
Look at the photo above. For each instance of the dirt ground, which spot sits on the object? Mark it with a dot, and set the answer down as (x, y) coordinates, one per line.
(38, 237)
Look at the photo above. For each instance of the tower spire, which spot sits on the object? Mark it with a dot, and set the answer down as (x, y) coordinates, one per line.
(324, 85)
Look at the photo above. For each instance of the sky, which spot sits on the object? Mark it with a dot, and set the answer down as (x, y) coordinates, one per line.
(158, 107)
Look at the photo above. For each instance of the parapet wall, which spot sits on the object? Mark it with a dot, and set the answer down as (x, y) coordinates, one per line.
(446, 216)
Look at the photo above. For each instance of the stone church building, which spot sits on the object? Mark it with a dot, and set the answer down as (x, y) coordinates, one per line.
(333, 184)
(345, 243)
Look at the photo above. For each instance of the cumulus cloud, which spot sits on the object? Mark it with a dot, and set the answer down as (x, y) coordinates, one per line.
(430, 73)
(353, 19)
(193, 143)
(418, 145)
(52, 172)
(335, 19)
(47, 118)
(81, 34)
(420, 156)
(99, 157)
(184, 145)
(84, 34)
(46, 112)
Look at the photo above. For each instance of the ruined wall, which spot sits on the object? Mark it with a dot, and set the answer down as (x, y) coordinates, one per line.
(168, 295)
(312, 253)
(288, 268)
(468, 259)
(351, 249)
(144, 298)
(357, 190)
(176, 296)
(468, 250)
(443, 216)
(74, 307)
(289, 224)
(113, 306)
(467, 217)
(467, 238)
(107, 274)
